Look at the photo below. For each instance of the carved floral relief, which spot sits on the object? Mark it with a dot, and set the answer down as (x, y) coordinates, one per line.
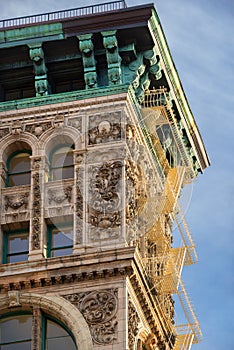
(99, 309)
(104, 195)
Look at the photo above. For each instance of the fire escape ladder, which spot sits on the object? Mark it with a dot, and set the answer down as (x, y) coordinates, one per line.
(173, 265)
(191, 256)
(172, 187)
(189, 312)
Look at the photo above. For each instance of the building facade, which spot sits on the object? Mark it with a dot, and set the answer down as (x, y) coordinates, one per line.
(97, 141)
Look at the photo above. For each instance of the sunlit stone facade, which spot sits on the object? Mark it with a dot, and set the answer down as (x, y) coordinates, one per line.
(96, 143)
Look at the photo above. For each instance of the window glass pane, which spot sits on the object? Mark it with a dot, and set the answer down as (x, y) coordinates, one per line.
(62, 163)
(20, 163)
(17, 247)
(19, 179)
(62, 173)
(62, 157)
(18, 242)
(57, 338)
(60, 344)
(17, 346)
(68, 159)
(61, 252)
(62, 238)
(17, 258)
(55, 330)
(16, 328)
(68, 172)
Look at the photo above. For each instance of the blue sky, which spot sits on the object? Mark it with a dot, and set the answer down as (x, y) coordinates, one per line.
(201, 40)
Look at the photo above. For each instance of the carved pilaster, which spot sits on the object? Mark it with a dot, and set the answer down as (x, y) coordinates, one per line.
(87, 50)
(112, 55)
(79, 198)
(133, 325)
(3, 172)
(99, 309)
(36, 328)
(37, 56)
(36, 211)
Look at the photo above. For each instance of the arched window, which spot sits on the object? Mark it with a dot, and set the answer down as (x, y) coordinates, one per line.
(16, 333)
(61, 162)
(18, 169)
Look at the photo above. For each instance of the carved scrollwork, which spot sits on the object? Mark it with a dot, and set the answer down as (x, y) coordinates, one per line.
(99, 309)
(36, 211)
(56, 196)
(16, 201)
(104, 195)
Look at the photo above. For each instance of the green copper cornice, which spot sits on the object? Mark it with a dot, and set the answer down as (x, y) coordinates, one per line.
(63, 97)
(31, 34)
(177, 91)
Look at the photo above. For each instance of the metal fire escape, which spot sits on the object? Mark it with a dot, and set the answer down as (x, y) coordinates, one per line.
(163, 262)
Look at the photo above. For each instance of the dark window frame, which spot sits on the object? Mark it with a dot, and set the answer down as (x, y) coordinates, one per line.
(6, 254)
(9, 174)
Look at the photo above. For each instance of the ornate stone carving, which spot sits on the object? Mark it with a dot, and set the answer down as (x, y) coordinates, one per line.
(136, 190)
(75, 123)
(36, 163)
(112, 55)
(99, 309)
(3, 172)
(36, 211)
(38, 129)
(14, 299)
(79, 158)
(89, 63)
(105, 128)
(16, 201)
(105, 132)
(54, 195)
(16, 128)
(133, 325)
(105, 200)
(4, 132)
(58, 121)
